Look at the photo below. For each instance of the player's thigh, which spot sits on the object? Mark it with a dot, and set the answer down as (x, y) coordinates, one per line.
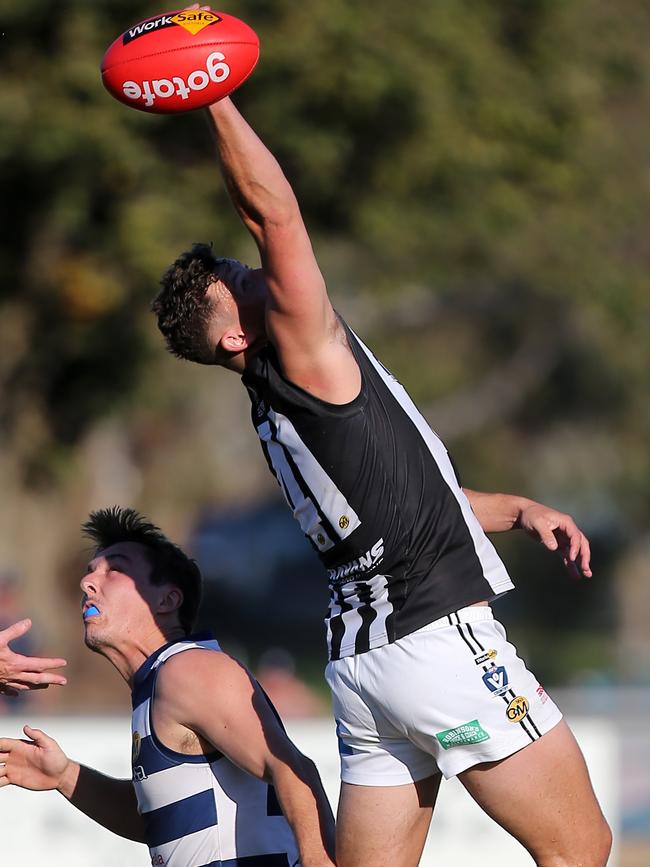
(384, 826)
(543, 796)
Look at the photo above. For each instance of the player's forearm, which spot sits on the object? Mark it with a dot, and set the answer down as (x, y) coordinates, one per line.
(306, 808)
(497, 513)
(110, 802)
(259, 190)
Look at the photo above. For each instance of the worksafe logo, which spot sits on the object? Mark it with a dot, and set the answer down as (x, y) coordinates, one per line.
(194, 22)
(469, 733)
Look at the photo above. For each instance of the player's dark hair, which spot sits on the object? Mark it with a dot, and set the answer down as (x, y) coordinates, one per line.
(169, 563)
(183, 307)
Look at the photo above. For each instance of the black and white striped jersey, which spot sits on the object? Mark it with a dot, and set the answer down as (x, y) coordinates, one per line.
(374, 490)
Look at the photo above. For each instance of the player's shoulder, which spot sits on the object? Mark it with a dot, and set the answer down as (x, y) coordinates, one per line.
(200, 666)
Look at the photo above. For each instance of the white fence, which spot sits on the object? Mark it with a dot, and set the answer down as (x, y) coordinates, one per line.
(42, 828)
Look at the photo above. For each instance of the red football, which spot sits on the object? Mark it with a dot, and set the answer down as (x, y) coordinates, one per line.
(178, 61)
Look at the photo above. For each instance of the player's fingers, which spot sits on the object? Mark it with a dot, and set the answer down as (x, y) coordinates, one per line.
(585, 557)
(546, 536)
(38, 678)
(16, 686)
(38, 663)
(37, 735)
(15, 630)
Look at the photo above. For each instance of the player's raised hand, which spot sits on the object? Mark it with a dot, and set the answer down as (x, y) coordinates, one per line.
(38, 764)
(558, 532)
(18, 672)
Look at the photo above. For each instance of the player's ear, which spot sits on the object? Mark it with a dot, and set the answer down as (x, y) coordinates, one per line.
(234, 340)
(170, 600)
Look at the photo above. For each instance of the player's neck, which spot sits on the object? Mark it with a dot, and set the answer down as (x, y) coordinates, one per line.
(130, 655)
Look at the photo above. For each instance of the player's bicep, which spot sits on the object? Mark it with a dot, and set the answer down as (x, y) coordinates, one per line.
(224, 707)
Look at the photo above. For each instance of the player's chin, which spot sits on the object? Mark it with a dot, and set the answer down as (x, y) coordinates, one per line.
(94, 637)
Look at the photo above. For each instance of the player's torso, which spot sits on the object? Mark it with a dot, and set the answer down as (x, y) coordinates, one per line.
(374, 490)
(200, 809)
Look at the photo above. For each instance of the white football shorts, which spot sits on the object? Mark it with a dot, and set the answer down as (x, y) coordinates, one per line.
(445, 698)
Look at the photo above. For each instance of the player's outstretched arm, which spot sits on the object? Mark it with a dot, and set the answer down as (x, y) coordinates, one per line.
(40, 764)
(228, 709)
(300, 319)
(17, 672)
(556, 530)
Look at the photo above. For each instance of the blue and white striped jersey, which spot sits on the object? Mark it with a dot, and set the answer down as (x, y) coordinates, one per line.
(201, 810)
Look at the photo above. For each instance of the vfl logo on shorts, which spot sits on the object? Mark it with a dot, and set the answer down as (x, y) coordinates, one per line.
(496, 679)
(517, 709)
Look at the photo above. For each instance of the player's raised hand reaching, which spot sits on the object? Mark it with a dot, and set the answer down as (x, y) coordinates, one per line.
(558, 532)
(38, 764)
(18, 672)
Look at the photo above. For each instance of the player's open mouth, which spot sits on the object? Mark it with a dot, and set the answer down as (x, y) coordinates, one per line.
(90, 611)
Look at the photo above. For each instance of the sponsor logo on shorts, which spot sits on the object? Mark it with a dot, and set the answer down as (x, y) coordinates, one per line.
(162, 88)
(469, 733)
(517, 709)
(542, 694)
(485, 657)
(496, 679)
(193, 22)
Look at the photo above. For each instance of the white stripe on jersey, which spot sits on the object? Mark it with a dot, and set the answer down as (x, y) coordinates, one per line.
(327, 497)
(376, 589)
(168, 786)
(193, 850)
(494, 571)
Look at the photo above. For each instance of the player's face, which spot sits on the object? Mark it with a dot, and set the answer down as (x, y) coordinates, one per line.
(118, 597)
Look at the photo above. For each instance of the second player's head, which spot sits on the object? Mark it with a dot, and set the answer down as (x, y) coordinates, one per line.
(140, 589)
(211, 310)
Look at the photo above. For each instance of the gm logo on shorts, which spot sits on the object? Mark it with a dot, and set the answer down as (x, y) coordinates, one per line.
(517, 709)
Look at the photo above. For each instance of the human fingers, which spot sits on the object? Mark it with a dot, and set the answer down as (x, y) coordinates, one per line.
(15, 630)
(34, 679)
(16, 686)
(39, 664)
(38, 736)
(583, 557)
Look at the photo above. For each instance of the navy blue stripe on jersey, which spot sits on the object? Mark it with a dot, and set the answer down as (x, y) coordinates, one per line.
(280, 860)
(273, 807)
(150, 759)
(180, 819)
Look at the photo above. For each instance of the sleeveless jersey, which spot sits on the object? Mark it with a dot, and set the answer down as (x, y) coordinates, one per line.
(375, 492)
(201, 810)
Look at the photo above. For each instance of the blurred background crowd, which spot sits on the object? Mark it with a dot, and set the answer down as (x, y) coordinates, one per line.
(476, 180)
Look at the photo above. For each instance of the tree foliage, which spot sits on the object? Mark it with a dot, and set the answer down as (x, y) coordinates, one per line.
(475, 178)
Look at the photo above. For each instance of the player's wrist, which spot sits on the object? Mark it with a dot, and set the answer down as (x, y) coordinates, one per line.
(521, 507)
(67, 781)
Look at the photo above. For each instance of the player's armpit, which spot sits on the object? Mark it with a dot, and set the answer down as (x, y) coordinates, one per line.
(228, 709)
